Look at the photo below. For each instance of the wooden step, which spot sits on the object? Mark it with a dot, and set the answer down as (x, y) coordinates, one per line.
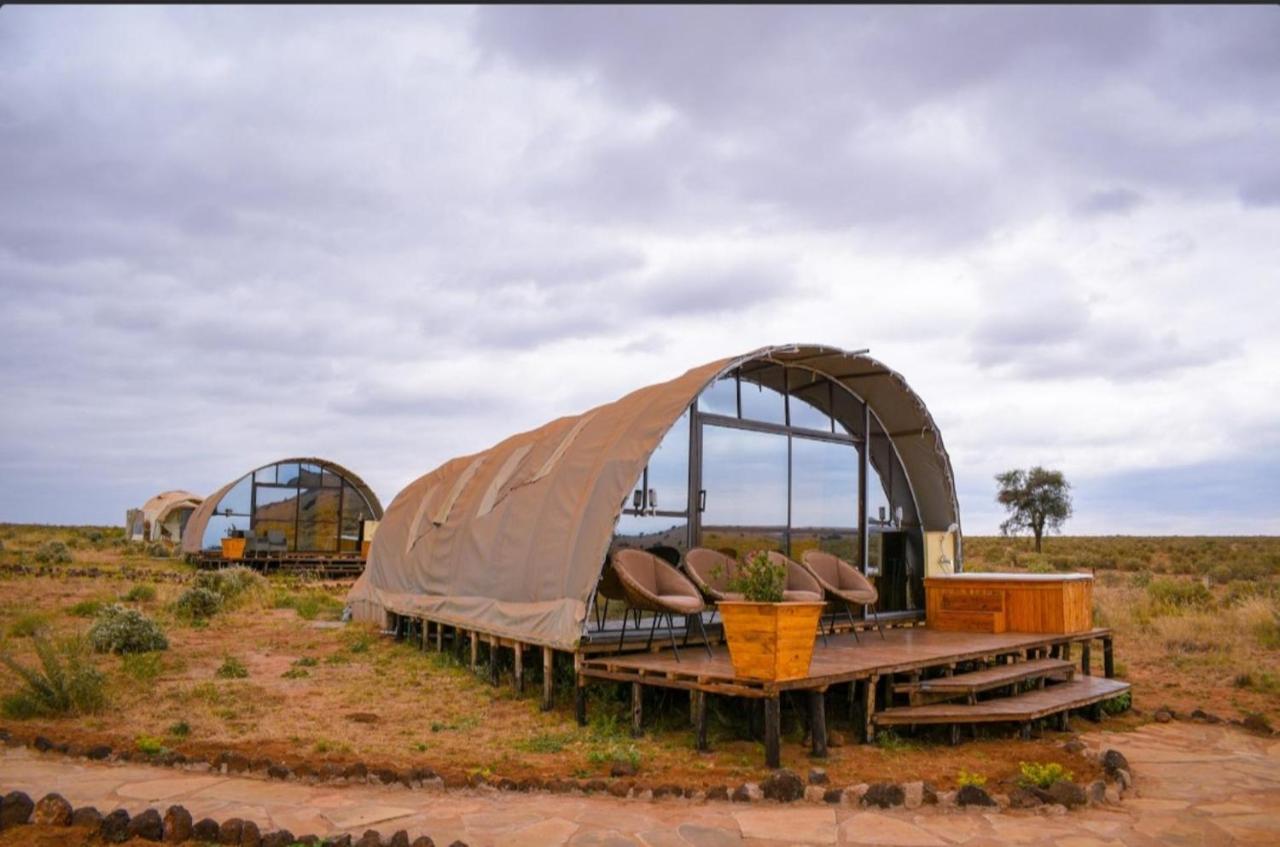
(1079, 692)
(999, 676)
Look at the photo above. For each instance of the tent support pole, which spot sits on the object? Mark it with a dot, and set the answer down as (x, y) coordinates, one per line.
(493, 660)
(772, 732)
(580, 700)
(818, 724)
(548, 678)
(518, 651)
(439, 637)
(475, 650)
(700, 720)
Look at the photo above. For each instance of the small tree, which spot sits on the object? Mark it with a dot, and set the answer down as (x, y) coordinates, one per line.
(1037, 500)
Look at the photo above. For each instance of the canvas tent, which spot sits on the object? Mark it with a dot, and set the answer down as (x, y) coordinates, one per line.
(314, 505)
(163, 517)
(511, 541)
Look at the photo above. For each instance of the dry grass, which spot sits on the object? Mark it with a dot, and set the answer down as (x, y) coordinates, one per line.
(305, 677)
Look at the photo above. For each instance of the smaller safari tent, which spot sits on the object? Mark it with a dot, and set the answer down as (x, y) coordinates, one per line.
(162, 518)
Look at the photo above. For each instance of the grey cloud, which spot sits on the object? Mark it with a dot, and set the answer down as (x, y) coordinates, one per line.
(1107, 201)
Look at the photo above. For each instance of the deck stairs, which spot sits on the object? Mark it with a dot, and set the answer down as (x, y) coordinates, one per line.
(1018, 692)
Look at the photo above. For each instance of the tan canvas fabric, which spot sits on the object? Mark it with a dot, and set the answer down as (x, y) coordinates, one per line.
(511, 541)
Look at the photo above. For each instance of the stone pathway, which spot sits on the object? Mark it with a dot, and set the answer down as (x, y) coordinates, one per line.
(1197, 785)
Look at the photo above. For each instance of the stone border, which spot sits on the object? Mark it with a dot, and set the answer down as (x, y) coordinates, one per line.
(782, 785)
(176, 826)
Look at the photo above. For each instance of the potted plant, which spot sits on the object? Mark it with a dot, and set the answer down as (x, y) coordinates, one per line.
(233, 544)
(769, 639)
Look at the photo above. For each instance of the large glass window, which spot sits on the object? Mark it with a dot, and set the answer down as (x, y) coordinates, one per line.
(744, 475)
(824, 498)
(721, 397)
(668, 472)
(761, 403)
(810, 394)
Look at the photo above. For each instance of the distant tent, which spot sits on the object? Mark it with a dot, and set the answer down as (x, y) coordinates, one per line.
(512, 541)
(162, 518)
(312, 505)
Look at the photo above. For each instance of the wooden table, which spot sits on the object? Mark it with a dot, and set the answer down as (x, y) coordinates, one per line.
(1006, 602)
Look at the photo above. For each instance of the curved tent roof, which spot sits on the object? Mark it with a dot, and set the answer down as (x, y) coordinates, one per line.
(511, 540)
(193, 538)
(158, 508)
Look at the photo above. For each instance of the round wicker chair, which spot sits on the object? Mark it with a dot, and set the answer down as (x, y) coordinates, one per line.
(843, 582)
(652, 585)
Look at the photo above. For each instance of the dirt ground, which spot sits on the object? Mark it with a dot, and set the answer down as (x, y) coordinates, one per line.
(317, 691)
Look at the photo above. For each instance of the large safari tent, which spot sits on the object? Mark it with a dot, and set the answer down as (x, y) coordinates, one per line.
(298, 512)
(787, 448)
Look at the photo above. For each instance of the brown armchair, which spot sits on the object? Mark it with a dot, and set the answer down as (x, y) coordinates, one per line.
(843, 582)
(711, 571)
(652, 585)
(801, 586)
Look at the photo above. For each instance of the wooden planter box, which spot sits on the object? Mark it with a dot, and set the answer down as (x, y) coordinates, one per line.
(1060, 604)
(233, 548)
(770, 641)
(364, 549)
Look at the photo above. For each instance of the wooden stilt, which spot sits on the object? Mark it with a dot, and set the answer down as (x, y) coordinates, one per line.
(772, 732)
(475, 650)
(1086, 654)
(439, 637)
(700, 721)
(1108, 658)
(1064, 652)
(869, 709)
(818, 724)
(580, 700)
(548, 679)
(493, 660)
(519, 660)
(858, 708)
(637, 704)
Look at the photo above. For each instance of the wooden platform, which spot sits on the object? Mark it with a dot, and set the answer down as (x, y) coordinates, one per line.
(1076, 694)
(842, 659)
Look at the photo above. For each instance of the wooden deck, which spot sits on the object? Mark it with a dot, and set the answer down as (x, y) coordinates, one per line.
(872, 667)
(842, 659)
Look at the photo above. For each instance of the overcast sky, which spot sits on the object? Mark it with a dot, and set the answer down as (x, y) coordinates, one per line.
(389, 237)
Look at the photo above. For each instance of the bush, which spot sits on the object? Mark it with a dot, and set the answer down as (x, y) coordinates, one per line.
(232, 668)
(64, 684)
(181, 729)
(964, 778)
(150, 745)
(141, 593)
(29, 625)
(759, 580)
(1037, 775)
(53, 553)
(119, 629)
(1179, 594)
(157, 550)
(231, 584)
(198, 604)
(310, 605)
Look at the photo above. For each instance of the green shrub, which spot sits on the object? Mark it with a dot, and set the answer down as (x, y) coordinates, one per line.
(310, 604)
(1037, 775)
(296, 673)
(29, 624)
(231, 584)
(965, 778)
(1118, 704)
(53, 553)
(141, 593)
(157, 550)
(181, 729)
(198, 604)
(86, 608)
(1179, 594)
(1140, 579)
(1039, 567)
(150, 745)
(759, 580)
(144, 667)
(66, 683)
(305, 662)
(232, 668)
(545, 742)
(119, 629)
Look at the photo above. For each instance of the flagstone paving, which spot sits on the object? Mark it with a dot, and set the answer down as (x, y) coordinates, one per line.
(1197, 785)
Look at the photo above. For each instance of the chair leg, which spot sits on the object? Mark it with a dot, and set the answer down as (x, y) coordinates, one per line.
(653, 627)
(706, 642)
(853, 626)
(602, 615)
(623, 636)
(875, 614)
(671, 631)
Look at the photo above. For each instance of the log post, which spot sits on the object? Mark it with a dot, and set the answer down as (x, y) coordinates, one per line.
(772, 732)
(548, 679)
(637, 705)
(818, 724)
(518, 654)
(869, 709)
(700, 721)
(1065, 652)
(858, 708)
(422, 632)
(1108, 658)
(493, 660)
(475, 650)
(1086, 654)
(439, 637)
(579, 700)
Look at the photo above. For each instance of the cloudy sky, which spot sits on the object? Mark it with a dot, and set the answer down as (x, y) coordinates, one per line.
(393, 236)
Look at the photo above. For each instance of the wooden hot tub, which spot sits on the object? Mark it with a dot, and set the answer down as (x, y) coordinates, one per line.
(1006, 602)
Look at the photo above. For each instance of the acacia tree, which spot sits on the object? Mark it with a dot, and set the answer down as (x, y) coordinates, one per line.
(1037, 500)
